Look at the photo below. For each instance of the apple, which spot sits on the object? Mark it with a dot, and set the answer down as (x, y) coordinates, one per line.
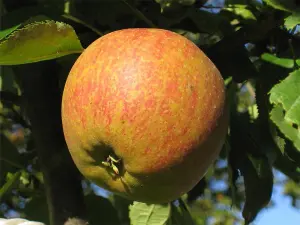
(144, 114)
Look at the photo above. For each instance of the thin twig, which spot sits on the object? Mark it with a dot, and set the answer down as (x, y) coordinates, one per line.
(293, 54)
(139, 14)
(14, 164)
(75, 19)
(183, 205)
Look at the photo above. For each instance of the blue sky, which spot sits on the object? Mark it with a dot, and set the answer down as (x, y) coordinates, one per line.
(282, 213)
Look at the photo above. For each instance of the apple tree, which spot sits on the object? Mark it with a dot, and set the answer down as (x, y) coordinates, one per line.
(254, 43)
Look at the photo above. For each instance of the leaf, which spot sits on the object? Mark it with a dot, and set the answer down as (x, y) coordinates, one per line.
(37, 209)
(169, 3)
(288, 167)
(249, 157)
(24, 179)
(277, 116)
(279, 141)
(12, 180)
(287, 94)
(8, 31)
(269, 137)
(258, 180)
(285, 5)
(10, 159)
(233, 172)
(291, 21)
(185, 213)
(179, 216)
(121, 205)
(286, 112)
(241, 11)
(26, 13)
(7, 80)
(292, 188)
(216, 24)
(174, 4)
(233, 62)
(39, 41)
(149, 214)
(95, 204)
(283, 62)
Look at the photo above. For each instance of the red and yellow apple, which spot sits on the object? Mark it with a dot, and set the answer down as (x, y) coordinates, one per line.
(143, 114)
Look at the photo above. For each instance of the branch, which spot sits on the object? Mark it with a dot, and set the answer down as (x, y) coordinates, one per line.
(10, 97)
(62, 180)
(76, 20)
(139, 14)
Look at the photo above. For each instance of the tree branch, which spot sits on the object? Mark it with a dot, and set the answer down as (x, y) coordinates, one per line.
(62, 180)
(10, 97)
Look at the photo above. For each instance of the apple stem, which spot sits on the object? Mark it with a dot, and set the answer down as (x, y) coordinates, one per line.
(114, 160)
(110, 162)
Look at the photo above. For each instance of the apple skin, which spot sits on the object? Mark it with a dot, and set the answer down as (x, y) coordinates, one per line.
(151, 98)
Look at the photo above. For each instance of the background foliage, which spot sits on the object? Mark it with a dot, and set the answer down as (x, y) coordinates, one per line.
(256, 46)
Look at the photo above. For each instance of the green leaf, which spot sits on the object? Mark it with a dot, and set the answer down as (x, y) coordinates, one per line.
(259, 164)
(291, 21)
(149, 214)
(216, 25)
(186, 2)
(22, 15)
(7, 80)
(277, 116)
(24, 179)
(283, 62)
(180, 216)
(287, 93)
(95, 204)
(37, 209)
(39, 41)
(258, 186)
(241, 11)
(10, 159)
(288, 167)
(121, 205)
(286, 113)
(168, 3)
(233, 62)
(285, 5)
(256, 169)
(233, 172)
(279, 141)
(6, 32)
(12, 181)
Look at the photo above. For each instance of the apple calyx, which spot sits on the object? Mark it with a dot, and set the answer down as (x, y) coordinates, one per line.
(111, 163)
